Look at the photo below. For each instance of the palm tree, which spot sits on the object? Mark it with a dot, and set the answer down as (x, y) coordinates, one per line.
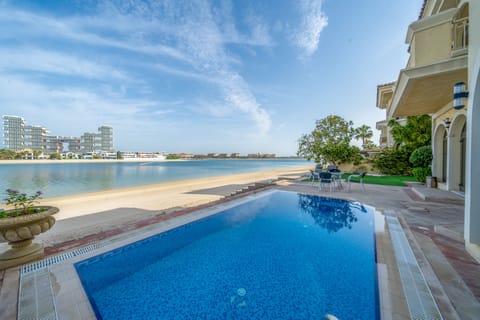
(364, 133)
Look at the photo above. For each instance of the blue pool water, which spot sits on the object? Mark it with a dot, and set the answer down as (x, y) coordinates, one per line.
(60, 179)
(281, 256)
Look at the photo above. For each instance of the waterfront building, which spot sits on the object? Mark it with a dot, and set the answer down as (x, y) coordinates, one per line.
(97, 142)
(35, 138)
(438, 47)
(106, 138)
(89, 143)
(59, 144)
(19, 136)
(13, 133)
(444, 47)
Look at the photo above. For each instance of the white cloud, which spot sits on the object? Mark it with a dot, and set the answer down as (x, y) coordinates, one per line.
(32, 59)
(313, 22)
(83, 31)
(66, 104)
(202, 41)
(185, 73)
(238, 94)
(179, 38)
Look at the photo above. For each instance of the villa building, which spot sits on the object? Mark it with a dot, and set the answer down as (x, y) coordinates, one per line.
(444, 47)
(384, 100)
(438, 47)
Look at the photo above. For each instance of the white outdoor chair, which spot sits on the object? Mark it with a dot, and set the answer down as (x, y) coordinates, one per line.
(361, 176)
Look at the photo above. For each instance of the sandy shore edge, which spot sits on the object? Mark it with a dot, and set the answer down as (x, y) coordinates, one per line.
(91, 213)
(161, 196)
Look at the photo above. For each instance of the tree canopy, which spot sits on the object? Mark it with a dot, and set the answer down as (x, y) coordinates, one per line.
(329, 141)
(416, 133)
(363, 133)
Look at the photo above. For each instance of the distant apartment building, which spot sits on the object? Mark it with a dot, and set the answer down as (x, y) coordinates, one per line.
(106, 138)
(13, 133)
(59, 144)
(35, 138)
(97, 142)
(19, 136)
(89, 142)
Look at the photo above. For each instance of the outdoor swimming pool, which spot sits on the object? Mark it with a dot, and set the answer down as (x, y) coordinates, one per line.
(280, 256)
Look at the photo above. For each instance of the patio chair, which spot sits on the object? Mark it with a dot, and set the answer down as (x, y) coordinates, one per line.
(361, 176)
(325, 179)
(337, 176)
(314, 175)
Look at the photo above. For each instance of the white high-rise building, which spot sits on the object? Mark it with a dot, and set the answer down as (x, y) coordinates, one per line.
(90, 142)
(35, 138)
(106, 138)
(19, 136)
(97, 142)
(13, 133)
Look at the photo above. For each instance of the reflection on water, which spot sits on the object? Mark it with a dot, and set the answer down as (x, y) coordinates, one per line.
(330, 214)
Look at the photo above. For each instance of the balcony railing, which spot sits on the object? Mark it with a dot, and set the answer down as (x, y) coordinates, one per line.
(460, 36)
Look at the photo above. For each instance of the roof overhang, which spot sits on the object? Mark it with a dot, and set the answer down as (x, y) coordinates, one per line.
(381, 124)
(426, 89)
(384, 94)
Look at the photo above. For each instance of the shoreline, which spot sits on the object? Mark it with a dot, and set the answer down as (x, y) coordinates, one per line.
(161, 196)
(129, 160)
(197, 187)
(89, 213)
(85, 214)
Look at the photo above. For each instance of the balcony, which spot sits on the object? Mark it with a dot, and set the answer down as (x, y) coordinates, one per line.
(438, 60)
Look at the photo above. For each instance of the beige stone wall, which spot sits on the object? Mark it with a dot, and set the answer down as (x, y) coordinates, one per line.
(432, 45)
(364, 166)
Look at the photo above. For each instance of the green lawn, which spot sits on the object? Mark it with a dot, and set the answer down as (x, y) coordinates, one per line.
(382, 180)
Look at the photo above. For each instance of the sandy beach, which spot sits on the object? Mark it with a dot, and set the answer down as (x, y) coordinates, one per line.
(90, 213)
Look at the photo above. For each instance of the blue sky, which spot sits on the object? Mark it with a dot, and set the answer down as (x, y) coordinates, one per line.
(199, 76)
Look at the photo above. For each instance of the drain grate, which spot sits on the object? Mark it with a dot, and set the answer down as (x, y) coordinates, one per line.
(35, 298)
(420, 301)
(60, 258)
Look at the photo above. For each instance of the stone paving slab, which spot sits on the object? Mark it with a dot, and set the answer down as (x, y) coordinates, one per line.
(418, 213)
(438, 195)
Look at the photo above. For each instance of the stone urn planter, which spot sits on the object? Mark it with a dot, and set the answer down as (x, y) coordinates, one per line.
(19, 232)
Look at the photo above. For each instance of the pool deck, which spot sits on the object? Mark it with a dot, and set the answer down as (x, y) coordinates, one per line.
(431, 219)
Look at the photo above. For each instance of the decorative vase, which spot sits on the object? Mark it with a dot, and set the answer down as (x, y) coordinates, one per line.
(19, 233)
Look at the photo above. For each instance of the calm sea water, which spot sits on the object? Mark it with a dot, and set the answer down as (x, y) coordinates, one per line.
(60, 179)
(281, 256)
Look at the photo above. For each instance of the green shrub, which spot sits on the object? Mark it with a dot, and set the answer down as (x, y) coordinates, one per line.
(392, 162)
(422, 157)
(421, 174)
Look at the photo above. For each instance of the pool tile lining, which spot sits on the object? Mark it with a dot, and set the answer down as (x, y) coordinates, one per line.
(37, 274)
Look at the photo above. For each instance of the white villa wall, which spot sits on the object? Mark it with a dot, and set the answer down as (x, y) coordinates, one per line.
(472, 198)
